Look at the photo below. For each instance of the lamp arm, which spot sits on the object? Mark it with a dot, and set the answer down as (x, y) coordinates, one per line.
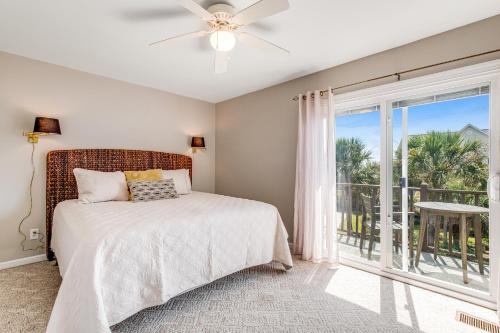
(30, 210)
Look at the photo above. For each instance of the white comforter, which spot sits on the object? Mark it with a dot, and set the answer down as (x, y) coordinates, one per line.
(117, 258)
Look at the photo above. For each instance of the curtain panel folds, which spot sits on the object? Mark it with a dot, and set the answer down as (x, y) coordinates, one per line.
(315, 226)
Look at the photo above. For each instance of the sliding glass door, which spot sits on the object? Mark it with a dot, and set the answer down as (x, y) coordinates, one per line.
(358, 184)
(412, 176)
(439, 205)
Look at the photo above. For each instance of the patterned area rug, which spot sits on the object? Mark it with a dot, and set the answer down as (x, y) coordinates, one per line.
(309, 298)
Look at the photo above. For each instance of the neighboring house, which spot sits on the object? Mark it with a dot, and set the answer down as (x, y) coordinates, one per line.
(469, 132)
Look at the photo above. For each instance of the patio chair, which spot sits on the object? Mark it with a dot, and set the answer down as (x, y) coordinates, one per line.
(369, 208)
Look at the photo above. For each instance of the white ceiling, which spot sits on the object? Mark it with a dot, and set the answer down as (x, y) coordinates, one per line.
(110, 38)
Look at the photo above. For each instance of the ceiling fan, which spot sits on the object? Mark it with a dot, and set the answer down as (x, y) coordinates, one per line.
(223, 24)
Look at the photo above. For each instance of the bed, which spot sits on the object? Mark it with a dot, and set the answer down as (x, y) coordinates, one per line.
(117, 258)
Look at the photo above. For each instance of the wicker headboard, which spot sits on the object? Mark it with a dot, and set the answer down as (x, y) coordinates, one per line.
(61, 183)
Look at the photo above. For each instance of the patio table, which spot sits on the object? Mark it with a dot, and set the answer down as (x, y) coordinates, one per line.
(460, 212)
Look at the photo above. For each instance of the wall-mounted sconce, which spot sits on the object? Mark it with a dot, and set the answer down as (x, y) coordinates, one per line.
(197, 143)
(43, 126)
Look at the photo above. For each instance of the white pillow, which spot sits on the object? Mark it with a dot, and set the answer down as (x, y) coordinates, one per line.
(181, 179)
(97, 186)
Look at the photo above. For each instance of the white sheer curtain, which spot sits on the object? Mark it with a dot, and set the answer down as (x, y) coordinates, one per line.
(315, 227)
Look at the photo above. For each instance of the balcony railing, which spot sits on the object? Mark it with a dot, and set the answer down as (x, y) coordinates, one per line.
(349, 206)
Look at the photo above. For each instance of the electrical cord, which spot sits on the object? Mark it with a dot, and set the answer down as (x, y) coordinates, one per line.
(30, 210)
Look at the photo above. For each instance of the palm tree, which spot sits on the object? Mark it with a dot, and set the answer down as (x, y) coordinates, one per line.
(354, 166)
(354, 163)
(444, 160)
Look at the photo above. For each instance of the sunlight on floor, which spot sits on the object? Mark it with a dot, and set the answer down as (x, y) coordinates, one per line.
(411, 306)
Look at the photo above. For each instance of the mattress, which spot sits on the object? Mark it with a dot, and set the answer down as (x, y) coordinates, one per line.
(117, 258)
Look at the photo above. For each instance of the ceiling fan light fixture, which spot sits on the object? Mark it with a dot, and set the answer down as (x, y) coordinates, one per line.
(222, 22)
(223, 41)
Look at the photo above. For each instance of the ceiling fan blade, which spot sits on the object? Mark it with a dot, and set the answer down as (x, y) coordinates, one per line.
(183, 36)
(196, 9)
(262, 27)
(259, 43)
(221, 60)
(260, 10)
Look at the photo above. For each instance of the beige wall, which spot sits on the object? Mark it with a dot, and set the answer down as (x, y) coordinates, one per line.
(256, 133)
(94, 112)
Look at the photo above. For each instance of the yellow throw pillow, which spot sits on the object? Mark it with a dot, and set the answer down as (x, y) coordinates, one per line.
(153, 174)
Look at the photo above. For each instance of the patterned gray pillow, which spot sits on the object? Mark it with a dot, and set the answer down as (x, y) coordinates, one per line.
(148, 190)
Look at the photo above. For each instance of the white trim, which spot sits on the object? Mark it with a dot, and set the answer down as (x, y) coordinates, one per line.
(22, 261)
(494, 169)
(424, 285)
(404, 190)
(386, 187)
(423, 85)
(385, 218)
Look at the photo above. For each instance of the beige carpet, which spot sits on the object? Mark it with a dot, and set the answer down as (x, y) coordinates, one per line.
(309, 298)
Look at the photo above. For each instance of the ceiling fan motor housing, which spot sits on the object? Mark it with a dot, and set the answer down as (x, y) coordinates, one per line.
(223, 13)
(221, 8)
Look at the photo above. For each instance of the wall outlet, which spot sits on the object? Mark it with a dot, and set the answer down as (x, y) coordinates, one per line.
(34, 234)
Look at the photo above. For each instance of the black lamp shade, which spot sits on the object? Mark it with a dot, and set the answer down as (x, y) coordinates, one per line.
(47, 125)
(198, 142)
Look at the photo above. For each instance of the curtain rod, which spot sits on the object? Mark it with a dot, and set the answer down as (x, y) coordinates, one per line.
(398, 74)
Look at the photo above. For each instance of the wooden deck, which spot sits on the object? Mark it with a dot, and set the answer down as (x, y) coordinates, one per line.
(444, 268)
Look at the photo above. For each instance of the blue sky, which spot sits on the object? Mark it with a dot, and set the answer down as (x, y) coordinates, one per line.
(443, 116)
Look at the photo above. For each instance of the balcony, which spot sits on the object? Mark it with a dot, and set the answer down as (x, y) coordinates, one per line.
(358, 205)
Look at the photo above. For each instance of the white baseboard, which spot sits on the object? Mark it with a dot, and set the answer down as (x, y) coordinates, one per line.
(22, 261)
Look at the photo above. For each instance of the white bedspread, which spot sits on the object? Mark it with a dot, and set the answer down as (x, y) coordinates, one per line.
(117, 258)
